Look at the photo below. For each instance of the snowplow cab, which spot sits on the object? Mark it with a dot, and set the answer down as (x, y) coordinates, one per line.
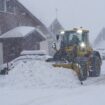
(78, 38)
(71, 36)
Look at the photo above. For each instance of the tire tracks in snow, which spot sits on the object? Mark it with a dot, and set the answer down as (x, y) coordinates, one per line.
(95, 80)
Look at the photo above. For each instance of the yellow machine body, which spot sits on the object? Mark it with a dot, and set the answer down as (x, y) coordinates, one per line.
(77, 54)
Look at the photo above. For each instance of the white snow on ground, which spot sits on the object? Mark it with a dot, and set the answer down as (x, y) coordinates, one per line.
(39, 74)
(35, 82)
(89, 95)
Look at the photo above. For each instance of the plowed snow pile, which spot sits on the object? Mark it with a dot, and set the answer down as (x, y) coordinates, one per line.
(35, 74)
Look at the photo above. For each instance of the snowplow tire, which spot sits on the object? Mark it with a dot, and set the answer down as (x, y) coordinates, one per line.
(96, 67)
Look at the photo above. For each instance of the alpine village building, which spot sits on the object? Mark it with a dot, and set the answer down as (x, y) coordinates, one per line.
(21, 30)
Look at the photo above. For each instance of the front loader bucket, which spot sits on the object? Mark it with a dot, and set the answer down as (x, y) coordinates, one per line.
(71, 66)
(80, 66)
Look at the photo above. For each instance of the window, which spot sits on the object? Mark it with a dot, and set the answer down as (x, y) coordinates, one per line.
(10, 5)
(2, 5)
(7, 6)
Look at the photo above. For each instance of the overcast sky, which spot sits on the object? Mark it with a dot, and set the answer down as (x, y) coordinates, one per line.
(71, 13)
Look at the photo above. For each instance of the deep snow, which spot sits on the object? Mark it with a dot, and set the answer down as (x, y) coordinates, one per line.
(38, 74)
(35, 82)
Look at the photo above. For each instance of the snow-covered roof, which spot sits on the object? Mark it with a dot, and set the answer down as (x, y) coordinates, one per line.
(41, 33)
(100, 37)
(20, 31)
(34, 52)
(56, 27)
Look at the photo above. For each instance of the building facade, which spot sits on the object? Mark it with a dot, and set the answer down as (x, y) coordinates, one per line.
(13, 14)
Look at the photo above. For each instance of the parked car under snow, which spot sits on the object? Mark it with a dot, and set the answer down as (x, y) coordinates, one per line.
(35, 54)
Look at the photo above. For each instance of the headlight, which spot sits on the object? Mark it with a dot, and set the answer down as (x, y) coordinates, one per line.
(62, 32)
(79, 31)
(82, 45)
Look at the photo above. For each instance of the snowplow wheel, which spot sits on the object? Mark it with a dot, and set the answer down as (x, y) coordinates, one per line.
(96, 67)
(83, 72)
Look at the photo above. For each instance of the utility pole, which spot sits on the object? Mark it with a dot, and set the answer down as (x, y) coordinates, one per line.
(56, 10)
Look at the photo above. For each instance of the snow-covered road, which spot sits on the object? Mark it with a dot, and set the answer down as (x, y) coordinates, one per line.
(38, 83)
(86, 95)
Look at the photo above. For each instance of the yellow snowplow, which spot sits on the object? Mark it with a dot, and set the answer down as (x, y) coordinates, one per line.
(76, 53)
